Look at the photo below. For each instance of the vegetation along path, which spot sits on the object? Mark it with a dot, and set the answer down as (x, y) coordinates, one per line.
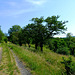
(0, 54)
(21, 66)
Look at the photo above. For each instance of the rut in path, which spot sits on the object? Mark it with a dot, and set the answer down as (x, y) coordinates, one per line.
(20, 65)
(0, 54)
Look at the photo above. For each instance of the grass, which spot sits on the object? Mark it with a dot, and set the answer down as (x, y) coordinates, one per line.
(46, 63)
(8, 65)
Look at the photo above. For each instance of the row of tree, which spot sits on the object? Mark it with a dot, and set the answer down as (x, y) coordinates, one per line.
(38, 32)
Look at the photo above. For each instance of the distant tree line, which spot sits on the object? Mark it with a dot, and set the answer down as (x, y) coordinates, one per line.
(38, 32)
(63, 45)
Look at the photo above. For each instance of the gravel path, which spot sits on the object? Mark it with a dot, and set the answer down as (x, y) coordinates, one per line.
(0, 54)
(21, 66)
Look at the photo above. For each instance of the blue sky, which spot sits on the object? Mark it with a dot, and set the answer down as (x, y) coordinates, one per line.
(19, 12)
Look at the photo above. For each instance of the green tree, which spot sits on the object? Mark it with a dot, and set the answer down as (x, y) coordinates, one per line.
(15, 28)
(39, 32)
(14, 33)
(26, 35)
(54, 26)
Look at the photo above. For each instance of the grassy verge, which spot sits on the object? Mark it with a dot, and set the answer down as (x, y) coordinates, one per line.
(8, 65)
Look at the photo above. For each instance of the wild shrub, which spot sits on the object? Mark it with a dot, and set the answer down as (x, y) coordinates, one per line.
(63, 50)
(69, 66)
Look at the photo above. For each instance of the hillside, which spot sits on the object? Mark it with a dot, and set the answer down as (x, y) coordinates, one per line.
(38, 63)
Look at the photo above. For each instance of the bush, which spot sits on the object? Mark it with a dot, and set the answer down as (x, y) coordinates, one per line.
(69, 66)
(63, 50)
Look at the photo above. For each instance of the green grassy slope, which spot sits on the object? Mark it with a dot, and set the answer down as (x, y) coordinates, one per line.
(46, 63)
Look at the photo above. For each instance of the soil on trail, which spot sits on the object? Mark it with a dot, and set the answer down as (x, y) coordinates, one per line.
(0, 54)
(20, 65)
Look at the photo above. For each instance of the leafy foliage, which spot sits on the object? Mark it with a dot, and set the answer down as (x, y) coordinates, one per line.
(15, 28)
(69, 66)
(63, 50)
(54, 26)
(37, 32)
(14, 34)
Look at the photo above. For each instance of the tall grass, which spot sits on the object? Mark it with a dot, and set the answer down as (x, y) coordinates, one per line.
(46, 63)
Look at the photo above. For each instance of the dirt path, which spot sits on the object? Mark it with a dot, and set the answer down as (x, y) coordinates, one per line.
(21, 66)
(0, 54)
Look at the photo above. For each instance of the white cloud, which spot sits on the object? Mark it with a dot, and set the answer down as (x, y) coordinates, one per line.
(37, 2)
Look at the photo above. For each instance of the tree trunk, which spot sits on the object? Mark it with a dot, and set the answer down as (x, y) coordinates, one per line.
(29, 45)
(20, 43)
(41, 46)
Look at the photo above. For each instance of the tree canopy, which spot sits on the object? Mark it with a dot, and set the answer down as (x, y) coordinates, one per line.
(14, 34)
(15, 28)
(40, 32)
